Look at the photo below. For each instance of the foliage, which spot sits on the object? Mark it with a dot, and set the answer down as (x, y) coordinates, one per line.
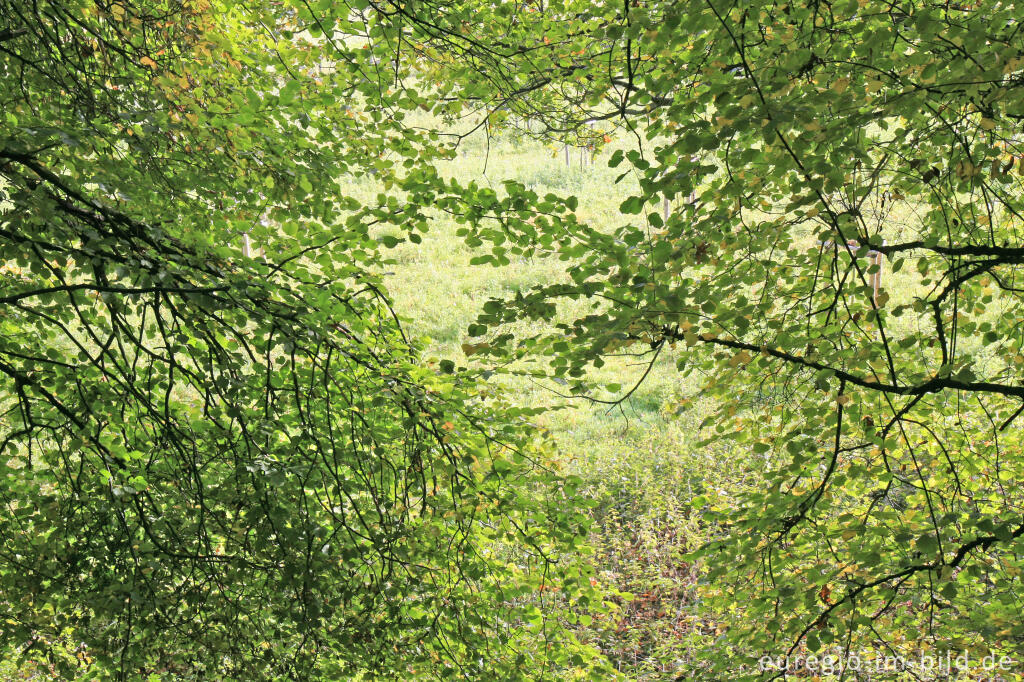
(174, 457)
(810, 138)
(215, 464)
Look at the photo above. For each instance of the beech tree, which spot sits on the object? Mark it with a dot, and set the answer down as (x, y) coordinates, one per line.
(228, 462)
(221, 457)
(841, 263)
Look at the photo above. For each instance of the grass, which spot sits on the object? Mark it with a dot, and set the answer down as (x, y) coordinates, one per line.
(439, 293)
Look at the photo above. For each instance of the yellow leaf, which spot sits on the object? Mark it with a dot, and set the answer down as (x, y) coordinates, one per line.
(146, 61)
(470, 348)
(741, 358)
(840, 85)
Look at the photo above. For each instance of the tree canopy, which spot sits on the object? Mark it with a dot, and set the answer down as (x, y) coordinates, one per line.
(222, 465)
(240, 465)
(805, 150)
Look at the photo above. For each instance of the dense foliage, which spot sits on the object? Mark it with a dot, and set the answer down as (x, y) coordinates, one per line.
(224, 464)
(805, 148)
(239, 464)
